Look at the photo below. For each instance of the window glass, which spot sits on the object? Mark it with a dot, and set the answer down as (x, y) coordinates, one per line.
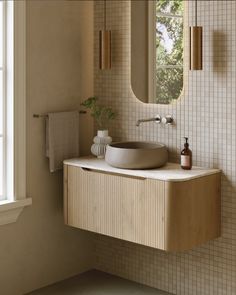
(1, 104)
(1, 32)
(2, 115)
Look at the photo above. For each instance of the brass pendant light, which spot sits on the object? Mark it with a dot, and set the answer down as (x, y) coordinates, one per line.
(195, 45)
(104, 45)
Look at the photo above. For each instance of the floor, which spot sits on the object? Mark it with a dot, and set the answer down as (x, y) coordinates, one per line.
(97, 283)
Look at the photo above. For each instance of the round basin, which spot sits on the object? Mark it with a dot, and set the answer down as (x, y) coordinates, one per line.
(136, 155)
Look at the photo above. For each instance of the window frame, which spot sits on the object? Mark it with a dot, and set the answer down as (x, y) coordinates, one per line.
(152, 81)
(12, 206)
(3, 78)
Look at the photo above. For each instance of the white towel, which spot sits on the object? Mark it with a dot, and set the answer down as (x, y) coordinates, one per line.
(62, 138)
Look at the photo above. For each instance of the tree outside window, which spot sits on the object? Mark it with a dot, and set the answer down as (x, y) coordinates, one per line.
(169, 50)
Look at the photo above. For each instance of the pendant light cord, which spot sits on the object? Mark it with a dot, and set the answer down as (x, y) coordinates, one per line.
(196, 13)
(105, 16)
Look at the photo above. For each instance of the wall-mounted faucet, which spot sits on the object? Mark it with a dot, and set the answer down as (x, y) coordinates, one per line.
(156, 119)
(167, 120)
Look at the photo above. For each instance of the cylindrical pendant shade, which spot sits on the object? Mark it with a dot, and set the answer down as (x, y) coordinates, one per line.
(104, 49)
(195, 48)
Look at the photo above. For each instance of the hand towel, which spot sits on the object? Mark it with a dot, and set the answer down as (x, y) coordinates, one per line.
(62, 138)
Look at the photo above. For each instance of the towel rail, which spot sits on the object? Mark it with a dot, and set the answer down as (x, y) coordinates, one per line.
(45, 115)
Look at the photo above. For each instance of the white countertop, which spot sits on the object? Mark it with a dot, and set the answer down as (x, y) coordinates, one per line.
(170, 172)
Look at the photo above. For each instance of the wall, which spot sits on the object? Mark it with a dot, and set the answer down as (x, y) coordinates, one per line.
(39, 249)
(206, 113)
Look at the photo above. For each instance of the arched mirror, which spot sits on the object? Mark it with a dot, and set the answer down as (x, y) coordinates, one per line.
(157, 50)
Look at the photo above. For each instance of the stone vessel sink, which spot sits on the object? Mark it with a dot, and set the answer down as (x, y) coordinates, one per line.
(136, 155)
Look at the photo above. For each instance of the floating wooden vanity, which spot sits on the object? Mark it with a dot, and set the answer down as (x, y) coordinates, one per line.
(166, 208)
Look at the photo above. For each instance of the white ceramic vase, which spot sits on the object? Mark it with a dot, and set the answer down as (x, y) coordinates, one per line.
(100, 143)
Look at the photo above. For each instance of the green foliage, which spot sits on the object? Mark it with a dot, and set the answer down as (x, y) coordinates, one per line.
(169, 85)
(101, 114)
(169, 80)
(170, 6)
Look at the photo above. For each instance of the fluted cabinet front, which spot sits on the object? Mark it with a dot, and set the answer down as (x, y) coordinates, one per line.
(117, 206)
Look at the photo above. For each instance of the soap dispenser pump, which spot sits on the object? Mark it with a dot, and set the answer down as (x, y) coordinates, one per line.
(186, 156)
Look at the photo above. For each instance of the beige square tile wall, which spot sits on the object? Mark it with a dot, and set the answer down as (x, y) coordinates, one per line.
(206, 113)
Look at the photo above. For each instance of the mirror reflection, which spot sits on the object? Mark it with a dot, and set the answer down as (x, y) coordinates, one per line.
(157, 50)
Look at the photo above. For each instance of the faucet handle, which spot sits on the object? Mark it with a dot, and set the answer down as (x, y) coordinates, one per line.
(168, 120)
(158, 119)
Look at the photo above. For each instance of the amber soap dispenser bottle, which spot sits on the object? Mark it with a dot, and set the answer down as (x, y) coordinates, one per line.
(186, 156)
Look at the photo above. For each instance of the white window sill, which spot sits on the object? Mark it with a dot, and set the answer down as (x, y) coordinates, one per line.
(11, 210)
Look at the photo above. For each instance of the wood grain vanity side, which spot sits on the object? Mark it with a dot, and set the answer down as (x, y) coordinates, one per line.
(65, 193)
(192, 212)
